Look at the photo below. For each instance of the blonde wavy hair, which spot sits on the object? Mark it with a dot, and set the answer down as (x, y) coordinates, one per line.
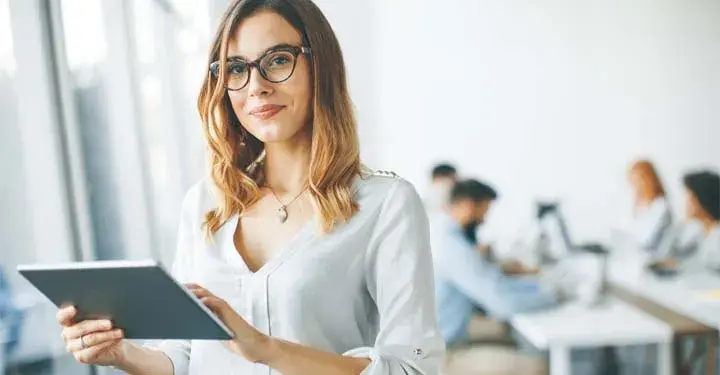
(235, 153)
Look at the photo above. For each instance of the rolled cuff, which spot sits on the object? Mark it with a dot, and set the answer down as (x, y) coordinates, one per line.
(400, 360)
(178, 351)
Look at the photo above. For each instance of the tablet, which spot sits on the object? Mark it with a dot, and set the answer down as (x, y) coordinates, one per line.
(139, 297)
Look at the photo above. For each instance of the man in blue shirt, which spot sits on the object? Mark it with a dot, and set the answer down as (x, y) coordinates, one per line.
(464, 279)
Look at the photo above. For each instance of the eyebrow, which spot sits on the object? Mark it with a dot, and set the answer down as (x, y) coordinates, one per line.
(275, 47)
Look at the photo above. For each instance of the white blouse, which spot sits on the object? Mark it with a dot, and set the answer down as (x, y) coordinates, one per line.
(364, 290)
(651, 223)
(706, 254)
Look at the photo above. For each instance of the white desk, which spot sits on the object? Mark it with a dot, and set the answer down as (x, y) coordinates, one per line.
(681, 293)
(613, 324)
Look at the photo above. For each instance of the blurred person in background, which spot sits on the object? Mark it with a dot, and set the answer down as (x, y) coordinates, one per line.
(442, 179)
(702, 204)
(348, 249)
(464, 279)
(652, 218)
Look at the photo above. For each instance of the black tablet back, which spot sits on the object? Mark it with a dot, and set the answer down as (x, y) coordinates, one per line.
(139, 297)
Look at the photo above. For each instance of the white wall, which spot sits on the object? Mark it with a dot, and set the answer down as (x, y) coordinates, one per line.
(544, 99)
(358, 45)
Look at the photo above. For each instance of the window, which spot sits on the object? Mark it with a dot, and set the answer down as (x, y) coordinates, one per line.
(86, 51)
(170, 45)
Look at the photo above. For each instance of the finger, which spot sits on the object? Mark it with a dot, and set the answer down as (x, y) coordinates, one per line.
(213, 303)
(89, 355)
(193, 286)
(85, 327)
(65, 315)
(93, 339)
(201, 293)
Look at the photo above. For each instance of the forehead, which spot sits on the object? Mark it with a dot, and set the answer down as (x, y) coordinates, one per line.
(262, 30)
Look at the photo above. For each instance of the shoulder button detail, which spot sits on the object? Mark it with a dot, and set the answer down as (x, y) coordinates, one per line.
(384, 173)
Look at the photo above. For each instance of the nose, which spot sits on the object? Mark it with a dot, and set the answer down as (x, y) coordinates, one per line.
(257, 85)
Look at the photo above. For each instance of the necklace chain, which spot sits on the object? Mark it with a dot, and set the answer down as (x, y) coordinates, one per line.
(282, 211)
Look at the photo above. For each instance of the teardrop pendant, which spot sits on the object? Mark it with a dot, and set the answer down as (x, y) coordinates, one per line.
(282, 214)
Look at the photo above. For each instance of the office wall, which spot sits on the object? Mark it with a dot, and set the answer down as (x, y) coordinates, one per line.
(359, 47)
(547, 99)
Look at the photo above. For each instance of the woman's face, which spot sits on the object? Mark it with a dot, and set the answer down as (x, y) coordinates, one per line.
(693, 210)
(272, 112)
(637, 183)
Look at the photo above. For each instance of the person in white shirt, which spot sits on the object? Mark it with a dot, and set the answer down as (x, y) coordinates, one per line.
(652, 217)
(318, 265)
(702, 192)
(442, 179)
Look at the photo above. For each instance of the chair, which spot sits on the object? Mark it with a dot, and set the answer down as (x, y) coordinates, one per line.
(491, 349)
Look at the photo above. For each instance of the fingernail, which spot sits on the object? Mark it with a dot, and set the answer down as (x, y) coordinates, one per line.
(118, 333)
(106, 324)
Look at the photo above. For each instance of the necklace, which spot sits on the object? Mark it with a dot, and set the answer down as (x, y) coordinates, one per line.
(282, 211)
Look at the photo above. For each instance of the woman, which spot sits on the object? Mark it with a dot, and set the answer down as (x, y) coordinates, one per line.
(317, 265)
(652, 218)
(702, 192)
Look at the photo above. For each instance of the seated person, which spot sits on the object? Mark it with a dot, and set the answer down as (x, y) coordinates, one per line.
(702, 191)
(652, 218)
(443, 178)
(464, 279)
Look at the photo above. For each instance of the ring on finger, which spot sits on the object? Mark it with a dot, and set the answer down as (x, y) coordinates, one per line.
(82, 342)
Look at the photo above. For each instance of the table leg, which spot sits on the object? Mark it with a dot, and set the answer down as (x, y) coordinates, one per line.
(665, 358)
(559, 360)
(711, 355)
(679, 355)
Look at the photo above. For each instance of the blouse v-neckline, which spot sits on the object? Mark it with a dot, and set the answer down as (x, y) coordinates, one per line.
(284, 251)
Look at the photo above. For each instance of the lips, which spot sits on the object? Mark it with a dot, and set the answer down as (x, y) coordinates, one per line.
(267, 111)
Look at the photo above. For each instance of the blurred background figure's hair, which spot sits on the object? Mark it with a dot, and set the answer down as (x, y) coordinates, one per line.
(651, 186)
(444, 170)
(705, 185)
(474, 190)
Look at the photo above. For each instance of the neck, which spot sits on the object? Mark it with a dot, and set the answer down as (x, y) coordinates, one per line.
(644, 201)
(709, 225)
(287, 164)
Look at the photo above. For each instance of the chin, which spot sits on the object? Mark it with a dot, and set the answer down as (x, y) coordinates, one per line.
(271, 133)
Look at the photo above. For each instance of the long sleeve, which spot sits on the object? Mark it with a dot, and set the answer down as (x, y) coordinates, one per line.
(682, 242)
(711, 249)
(179, 350)
(651, 225)
(501, 295)
(707, 254)
(399, 276)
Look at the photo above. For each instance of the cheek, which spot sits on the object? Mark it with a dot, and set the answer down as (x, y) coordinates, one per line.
(238, 102)
(301, 88)
(690, 206)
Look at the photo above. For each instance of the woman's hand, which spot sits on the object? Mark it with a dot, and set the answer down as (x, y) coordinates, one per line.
(248, 341)
(92, 342)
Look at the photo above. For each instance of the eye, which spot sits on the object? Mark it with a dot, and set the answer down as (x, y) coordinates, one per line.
(237, 68)
(279, 60)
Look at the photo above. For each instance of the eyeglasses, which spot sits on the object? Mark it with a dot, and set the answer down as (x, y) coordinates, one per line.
(276, 65)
